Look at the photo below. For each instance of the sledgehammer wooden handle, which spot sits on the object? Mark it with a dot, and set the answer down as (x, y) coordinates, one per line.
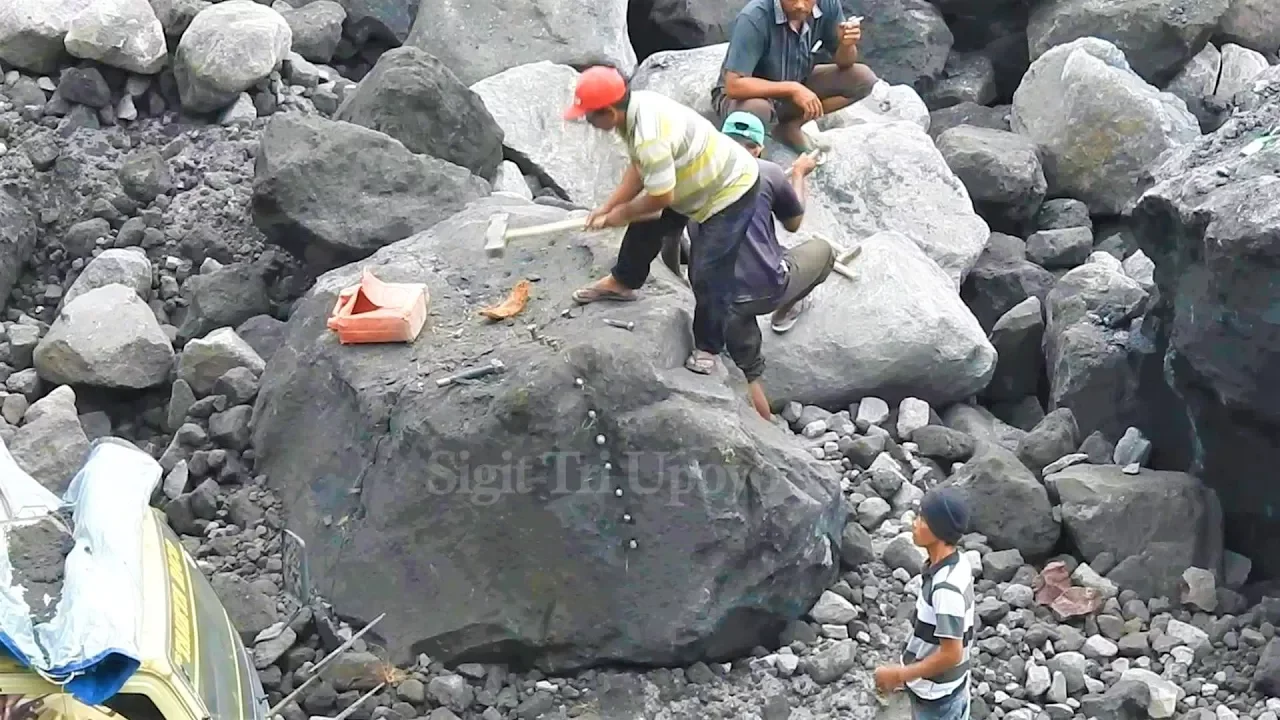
(577, 223)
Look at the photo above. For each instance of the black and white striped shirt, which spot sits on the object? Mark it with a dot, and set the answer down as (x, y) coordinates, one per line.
(944, 609)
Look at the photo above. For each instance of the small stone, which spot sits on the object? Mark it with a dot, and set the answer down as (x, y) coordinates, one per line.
(831, 609)
(1199, 589)
(913, 414)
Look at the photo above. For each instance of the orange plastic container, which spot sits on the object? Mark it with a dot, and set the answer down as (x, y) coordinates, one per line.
(379, 312)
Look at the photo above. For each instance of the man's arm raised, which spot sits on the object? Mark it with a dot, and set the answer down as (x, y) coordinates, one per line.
(789, 206)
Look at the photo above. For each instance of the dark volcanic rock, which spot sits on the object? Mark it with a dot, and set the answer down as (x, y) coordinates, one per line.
(414, 98)
(514, 515)
(1216, 244)
(382, 194)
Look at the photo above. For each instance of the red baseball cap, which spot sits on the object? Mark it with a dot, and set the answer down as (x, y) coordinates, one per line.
(598, 88)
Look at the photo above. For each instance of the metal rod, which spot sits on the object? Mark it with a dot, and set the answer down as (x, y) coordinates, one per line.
(355, 705)
(320, 666)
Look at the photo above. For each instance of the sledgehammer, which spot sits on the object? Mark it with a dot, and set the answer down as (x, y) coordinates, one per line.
(496, 235)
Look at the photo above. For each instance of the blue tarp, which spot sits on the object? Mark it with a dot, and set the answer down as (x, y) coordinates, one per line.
(91, 644)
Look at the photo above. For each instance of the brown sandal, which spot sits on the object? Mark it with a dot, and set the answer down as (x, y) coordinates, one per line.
(591, 293)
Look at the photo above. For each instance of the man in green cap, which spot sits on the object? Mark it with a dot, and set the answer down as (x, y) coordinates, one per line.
(770, 280)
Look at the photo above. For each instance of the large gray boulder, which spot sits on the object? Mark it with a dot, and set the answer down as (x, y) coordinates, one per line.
(332, 192)
(1157, 36)
(889, 176)
(1090, 334)
(227, 49)
(387, 20)
(501, 514)
(1006, 502)
(414, 98)
(51, 444)
(1155, 524)
(681, 24)
(1001, 170)
(1253, 24)
(1002, 278)
(32, 32)
(106, 337)
(1100, 124)
(17, 241)
(481, 38)
(1217, 355)
(904, 41)
(896, 329)
(528, 102)
(1197, 83)
(316, 28)
(121, 33)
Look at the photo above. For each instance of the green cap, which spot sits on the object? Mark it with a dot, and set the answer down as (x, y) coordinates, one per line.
(746, 125)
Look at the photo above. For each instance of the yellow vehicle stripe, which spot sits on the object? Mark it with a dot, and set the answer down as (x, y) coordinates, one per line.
(182, 624)
(195, 629)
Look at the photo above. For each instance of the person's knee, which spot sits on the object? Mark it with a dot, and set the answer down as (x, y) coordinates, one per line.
(857, 81)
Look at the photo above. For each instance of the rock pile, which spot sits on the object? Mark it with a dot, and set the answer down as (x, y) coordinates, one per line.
(1063, 308)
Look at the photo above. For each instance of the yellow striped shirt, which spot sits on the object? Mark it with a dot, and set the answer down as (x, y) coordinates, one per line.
(680, 151)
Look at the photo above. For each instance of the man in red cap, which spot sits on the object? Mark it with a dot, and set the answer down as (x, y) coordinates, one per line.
(683, 168)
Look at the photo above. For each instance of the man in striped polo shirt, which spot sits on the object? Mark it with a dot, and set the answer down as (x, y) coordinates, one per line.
(935, 667)
(689, 175)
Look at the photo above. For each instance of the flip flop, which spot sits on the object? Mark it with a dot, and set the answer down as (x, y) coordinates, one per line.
(701, 362)
(591, 293)
(789, 320)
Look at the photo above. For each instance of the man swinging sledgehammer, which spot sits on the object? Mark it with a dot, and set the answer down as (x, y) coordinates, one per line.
(682, 167)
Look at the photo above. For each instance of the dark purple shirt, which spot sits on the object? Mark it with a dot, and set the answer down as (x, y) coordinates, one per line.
(761, 270)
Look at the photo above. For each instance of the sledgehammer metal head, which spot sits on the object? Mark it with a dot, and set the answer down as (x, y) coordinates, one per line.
(495, 236)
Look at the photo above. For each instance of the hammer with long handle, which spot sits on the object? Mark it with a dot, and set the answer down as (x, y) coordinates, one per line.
(496, 235)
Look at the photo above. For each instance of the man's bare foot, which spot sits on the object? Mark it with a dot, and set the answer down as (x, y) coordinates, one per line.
(606, 288)
(790, 134)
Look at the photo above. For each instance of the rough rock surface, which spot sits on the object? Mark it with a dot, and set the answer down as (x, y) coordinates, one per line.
(993, 481)
(909, 44)
(51, 445)
(17, 241)
(1157, 36)
(658, 25)
(1090, 315)
(32, 32)
(301, 207)
(897, 328)
(1000, 169)
(482, 38)
(120, 33)
(1212, 242)
(228, 48)
(1101, 125)
(582, 163)
(414, 98)
(712, 570)
(890, 177)
(107, 337)
(1154, 524)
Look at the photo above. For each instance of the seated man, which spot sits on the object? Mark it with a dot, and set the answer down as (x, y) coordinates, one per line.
(771, 68)
(769, 279)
